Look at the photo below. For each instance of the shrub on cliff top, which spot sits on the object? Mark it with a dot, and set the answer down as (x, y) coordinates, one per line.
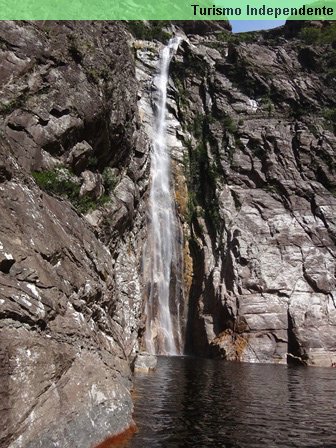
(318, 36)
(151, 31)
(226, 36)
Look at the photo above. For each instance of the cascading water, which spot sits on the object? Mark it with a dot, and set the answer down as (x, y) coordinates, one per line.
(163, 331)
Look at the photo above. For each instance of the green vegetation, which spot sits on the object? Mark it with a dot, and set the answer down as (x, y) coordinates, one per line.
(6, 108)
(92, 163)
(214, 44)
(229, 124)
(62, 182)
(242, 76)
(202, 175)
(182, 97)
(202, 172)
(267, 104)
(194, 64)
(328, 159)
(298, 111)
(332, 190)
(226, 36)
(257, 148)
(191, 208)
(86, 203)
(151, 31)
(196, 126)
(16, 103)
(197, 163)
(79, 47)
(310, 35)
(331, 59)
(319, 36)
(328, 63)
(272, 188)
(331, 74)
(330, 116)
(52, 181)
(95, 75)
(110, 180)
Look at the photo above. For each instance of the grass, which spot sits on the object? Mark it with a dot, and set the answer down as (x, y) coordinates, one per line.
(54, 181)
(61, 182)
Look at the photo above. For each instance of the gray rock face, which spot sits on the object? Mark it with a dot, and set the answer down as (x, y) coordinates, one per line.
(144, 362)
(254, 186)
(260, 214)
(70, 301)
(79, 156)
(254, 175)
(92, 185)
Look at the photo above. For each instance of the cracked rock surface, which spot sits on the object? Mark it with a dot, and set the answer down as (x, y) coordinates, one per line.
(70, 232)
(258, 164)
(252, 140)
(253, 164)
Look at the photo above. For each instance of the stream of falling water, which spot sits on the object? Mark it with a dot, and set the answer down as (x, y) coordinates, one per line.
(163, 332)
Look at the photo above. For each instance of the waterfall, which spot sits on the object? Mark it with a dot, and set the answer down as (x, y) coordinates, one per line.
(163, 331)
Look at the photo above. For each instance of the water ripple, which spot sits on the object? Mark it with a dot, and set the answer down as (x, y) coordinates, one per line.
(199, 403)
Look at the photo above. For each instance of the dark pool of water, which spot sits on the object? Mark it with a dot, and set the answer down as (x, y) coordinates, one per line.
(202, 403)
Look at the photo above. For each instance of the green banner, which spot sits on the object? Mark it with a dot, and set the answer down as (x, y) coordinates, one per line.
(167, 10)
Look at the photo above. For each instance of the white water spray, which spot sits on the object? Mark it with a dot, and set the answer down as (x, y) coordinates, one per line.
(162, 336)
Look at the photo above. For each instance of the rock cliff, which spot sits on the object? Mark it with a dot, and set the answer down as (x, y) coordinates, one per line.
(73, 175)
(251, 123)
(257, 122)
(251, 131)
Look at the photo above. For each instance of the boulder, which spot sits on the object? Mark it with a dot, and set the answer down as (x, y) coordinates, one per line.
(144, 362)
(92, 185)
(79, 155)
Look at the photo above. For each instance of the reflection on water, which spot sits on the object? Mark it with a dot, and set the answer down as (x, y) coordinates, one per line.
(190, 402)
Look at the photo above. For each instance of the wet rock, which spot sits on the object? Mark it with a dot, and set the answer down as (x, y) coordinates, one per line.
(144, 362)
